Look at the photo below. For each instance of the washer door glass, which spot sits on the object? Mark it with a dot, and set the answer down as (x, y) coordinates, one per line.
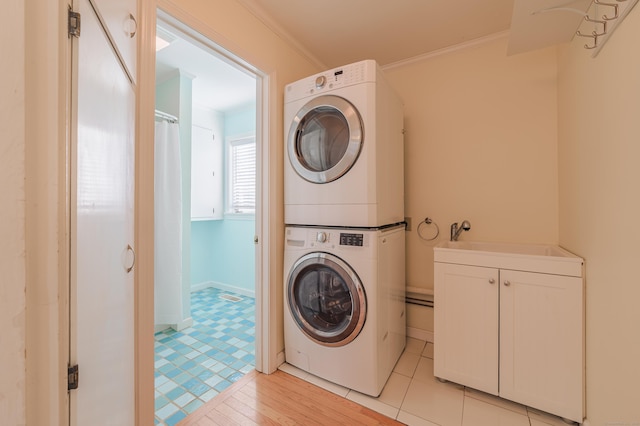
(325, 139)
(326, 299)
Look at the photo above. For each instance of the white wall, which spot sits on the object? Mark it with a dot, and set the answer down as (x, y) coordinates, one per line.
(501, 110)
(12, 215)
(480, 144)
(599, 155)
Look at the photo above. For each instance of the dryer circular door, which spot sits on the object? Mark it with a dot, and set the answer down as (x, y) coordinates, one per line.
(325, 139)
(326, 299)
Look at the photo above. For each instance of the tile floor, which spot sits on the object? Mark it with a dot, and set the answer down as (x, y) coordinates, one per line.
(413, 396)
(195, 364)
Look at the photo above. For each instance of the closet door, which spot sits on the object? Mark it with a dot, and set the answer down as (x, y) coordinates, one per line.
(121, 22)
(102, 257)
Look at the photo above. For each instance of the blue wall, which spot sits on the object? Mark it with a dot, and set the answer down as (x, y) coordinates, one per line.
(240, 122)
(222, 251)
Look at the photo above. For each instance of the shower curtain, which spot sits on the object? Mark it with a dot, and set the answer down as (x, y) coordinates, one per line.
(168, 225)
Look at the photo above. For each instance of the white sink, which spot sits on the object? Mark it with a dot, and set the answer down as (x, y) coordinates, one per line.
(544, 258)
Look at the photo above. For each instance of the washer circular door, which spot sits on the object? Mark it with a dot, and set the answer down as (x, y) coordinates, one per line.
(325, 139)
(326, 299)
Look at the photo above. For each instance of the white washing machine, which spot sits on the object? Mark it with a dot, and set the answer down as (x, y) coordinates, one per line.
(344, 146)
(344, 303)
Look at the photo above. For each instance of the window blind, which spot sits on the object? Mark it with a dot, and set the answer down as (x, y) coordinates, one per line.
(243, 176)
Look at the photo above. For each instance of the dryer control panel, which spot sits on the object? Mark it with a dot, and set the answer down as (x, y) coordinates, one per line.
(348, 75)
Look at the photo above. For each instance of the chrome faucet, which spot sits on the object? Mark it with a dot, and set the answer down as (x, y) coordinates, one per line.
(455, 231)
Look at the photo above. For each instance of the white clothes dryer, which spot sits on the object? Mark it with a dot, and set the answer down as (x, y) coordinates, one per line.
(344, 146)
(344, 303)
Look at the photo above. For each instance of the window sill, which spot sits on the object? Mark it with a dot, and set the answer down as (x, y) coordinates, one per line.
(240, 216)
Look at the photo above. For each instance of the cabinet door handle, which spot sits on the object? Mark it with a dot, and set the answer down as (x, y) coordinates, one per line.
(491, 281)
(507, 283)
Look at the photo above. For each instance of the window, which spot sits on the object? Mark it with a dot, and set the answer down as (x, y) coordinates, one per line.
(242, 176)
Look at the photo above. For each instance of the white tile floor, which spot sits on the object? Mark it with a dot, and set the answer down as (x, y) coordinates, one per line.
(413, 396)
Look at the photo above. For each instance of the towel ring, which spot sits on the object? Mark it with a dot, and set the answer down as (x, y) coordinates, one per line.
(428, 221)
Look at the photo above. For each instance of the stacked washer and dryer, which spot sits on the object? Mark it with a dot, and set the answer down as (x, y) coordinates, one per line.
(344, 260)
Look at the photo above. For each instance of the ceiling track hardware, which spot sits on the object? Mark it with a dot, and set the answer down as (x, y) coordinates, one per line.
(600, 22)
(615, 9)
(593, 35)
(603, 21)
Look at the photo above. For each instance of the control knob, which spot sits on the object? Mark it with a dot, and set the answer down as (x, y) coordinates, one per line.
(321, 237)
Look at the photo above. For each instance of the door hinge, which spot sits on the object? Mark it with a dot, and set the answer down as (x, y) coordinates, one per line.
(72, 374)
(74, 23)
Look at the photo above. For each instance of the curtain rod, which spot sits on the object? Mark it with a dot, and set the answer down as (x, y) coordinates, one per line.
(164, 116)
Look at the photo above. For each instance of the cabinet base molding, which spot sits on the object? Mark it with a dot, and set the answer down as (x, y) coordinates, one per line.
(420, 334)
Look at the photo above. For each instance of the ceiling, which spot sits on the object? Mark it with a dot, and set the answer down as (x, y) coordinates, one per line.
(333, 33)
(339, 32)
(216, 84)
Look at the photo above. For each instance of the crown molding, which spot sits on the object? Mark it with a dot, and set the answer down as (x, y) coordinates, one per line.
(447, 50)
(263, 16)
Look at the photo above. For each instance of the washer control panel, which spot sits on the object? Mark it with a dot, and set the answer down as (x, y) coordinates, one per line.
(328, 238)
(349, 239)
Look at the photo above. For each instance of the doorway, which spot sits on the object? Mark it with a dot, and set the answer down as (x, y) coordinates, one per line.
(210, 343)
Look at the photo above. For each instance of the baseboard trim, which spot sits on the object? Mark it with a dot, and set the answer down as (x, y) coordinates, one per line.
(185, 323)
(418, 333)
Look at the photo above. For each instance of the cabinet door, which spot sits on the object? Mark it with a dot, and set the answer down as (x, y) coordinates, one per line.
(541, 341)
(120, 18)
(206, 175)
(466, 325)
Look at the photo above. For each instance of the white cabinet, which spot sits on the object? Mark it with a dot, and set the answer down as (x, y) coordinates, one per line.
(541, 341)
(119, 16)
(206, 175)
(512, 333)
(466, 325)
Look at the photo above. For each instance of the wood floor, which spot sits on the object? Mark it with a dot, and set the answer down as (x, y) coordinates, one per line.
(281, 399)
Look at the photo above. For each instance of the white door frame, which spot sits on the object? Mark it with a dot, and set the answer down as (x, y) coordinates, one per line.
(266, 284)
(266, 352)
(267, 356)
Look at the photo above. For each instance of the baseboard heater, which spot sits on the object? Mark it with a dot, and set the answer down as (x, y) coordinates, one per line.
(419, 296)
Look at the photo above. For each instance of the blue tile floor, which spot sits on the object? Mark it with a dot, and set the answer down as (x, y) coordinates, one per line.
(193, 365)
